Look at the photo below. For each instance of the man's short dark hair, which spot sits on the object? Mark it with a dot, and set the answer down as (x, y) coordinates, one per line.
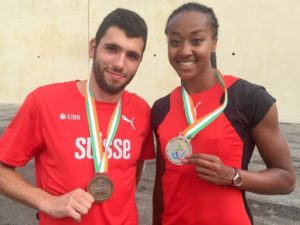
(130, 22)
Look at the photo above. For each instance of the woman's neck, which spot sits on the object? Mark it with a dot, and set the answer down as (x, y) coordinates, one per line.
(201, 82)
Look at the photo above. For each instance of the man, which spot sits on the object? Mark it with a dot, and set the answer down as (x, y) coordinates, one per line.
(89, 138)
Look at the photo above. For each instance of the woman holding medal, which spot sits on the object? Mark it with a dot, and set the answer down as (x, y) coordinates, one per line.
(206, 131)
(88, 156)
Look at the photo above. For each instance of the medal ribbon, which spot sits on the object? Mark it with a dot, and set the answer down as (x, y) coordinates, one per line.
(196, 125)
(100, 156)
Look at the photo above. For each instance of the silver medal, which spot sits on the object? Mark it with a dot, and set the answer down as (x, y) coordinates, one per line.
(177, 148)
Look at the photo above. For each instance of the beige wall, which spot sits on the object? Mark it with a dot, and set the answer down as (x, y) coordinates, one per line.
(44, 41)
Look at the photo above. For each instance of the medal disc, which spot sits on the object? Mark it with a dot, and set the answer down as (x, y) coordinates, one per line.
(177, 148)
(101, 187)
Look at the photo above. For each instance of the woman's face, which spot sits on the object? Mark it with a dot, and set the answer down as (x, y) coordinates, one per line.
(190, 44)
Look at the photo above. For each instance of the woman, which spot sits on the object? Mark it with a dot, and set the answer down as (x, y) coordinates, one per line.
(206, 130)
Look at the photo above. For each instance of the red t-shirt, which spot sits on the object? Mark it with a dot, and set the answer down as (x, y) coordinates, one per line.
(52, 127)
(187, 199)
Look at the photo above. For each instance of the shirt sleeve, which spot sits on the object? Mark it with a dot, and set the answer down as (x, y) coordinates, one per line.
(253, 102)
(22, 139)
(148, 148)
(147, 151)
(260, 101)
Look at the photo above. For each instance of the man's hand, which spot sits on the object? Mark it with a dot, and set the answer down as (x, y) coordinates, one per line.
(73, 204)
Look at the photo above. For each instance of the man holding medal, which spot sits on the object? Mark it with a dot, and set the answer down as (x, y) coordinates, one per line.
(206, 131)
(89, 138)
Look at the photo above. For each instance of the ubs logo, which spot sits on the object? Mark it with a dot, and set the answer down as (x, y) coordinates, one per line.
(69, 116)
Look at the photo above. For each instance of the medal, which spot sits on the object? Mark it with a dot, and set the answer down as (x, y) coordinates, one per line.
(100, 187)
(177, 148)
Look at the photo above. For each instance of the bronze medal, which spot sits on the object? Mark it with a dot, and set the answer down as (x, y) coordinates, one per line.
(101, 187)
(177, 148)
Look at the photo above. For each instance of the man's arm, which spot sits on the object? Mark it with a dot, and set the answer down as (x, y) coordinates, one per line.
(139, 170)
(73, 204)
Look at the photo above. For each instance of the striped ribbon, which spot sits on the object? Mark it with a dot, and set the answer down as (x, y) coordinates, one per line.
(100, 156)
(196, 125)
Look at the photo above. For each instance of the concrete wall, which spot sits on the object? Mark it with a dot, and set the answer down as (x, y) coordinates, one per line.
(44, 41)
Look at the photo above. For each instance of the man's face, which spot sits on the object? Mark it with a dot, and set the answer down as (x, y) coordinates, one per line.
(116, 60)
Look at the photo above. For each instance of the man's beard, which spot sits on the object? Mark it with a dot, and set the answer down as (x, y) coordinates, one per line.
(103, 84)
